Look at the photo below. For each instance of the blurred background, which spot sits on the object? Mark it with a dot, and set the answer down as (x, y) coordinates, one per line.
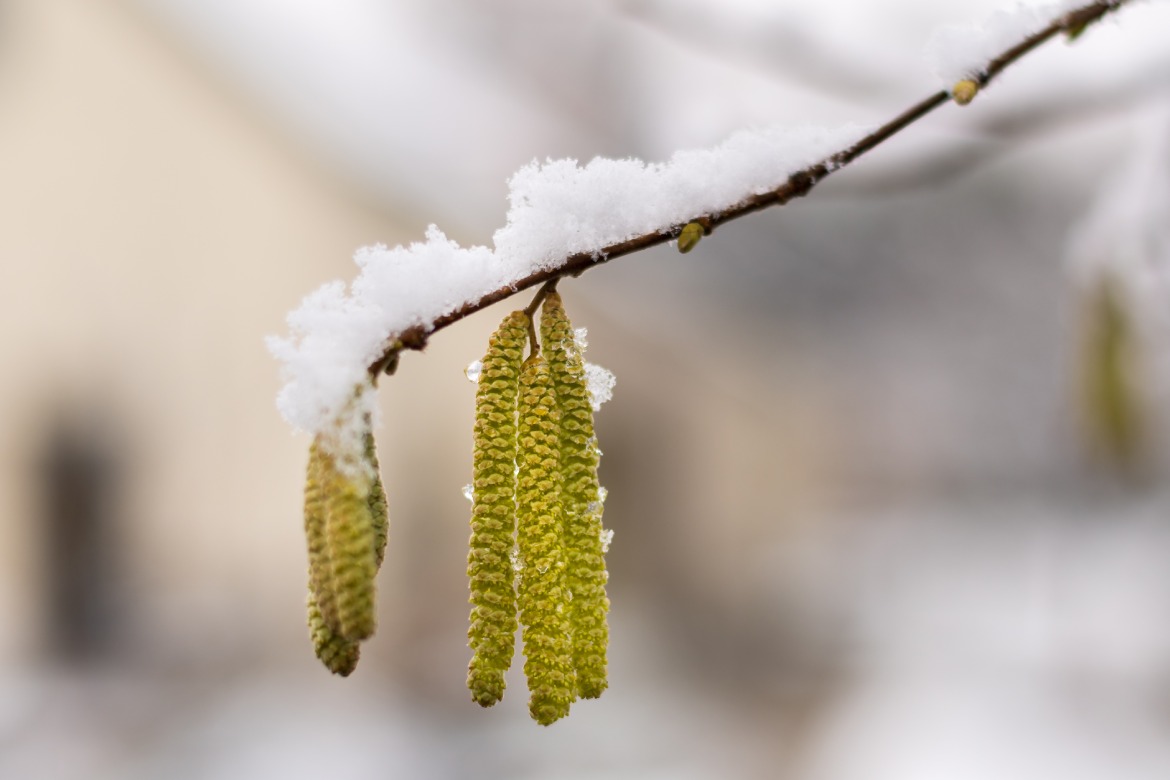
(886, 467)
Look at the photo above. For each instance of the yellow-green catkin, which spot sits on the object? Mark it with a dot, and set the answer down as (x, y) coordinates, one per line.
(542, 595)
(379, 509)
(580, 500)
(346, 523)
(1112, 404)
(492, 631)
(338, 654)
(349, 543)
(320, 571)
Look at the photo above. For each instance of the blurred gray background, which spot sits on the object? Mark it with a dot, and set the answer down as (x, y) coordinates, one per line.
(859, 530)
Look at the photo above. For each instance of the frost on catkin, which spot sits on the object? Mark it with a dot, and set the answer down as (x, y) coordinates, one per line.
(542, 595)
(492, 630)
(580, 500)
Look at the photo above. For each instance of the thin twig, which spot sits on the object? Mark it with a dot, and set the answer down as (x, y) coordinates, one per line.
(797, 185)
(549, 287)
(530, 310)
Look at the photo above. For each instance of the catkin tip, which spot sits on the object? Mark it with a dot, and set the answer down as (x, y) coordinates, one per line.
(546, 714)
(339, 655)
(486, 691)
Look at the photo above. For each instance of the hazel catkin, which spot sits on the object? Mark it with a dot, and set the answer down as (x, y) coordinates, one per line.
(341, 572)
(379, 510)
(542, 595)
(320, 571)
(492, 630)
(350, 534)
(580, 500)
(339, 655)
(350, 530)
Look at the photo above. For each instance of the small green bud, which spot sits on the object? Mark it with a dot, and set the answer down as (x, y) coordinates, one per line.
(965, 91)
(688, 237)
(1074, 32)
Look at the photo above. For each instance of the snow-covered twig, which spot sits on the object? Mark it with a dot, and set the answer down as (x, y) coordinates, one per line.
(565, 220)
(798, 185)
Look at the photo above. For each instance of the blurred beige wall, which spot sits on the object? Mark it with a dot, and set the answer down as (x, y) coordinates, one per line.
(153, 230)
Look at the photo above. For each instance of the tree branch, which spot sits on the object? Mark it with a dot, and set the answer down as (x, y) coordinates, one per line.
(797, 185)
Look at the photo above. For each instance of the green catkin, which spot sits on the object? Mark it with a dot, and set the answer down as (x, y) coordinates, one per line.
(379, 510)
(349, 539)
(320, 571)
(1110, 393)
(581, 501)
(339, 655)
(492, 631)
(341, 591)
(542, 596)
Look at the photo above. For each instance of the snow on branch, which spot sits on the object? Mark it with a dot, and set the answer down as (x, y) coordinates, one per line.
(958, 52)
(564, 218)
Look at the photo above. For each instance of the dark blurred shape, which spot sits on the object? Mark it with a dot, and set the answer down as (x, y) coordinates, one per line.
(80, 474)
